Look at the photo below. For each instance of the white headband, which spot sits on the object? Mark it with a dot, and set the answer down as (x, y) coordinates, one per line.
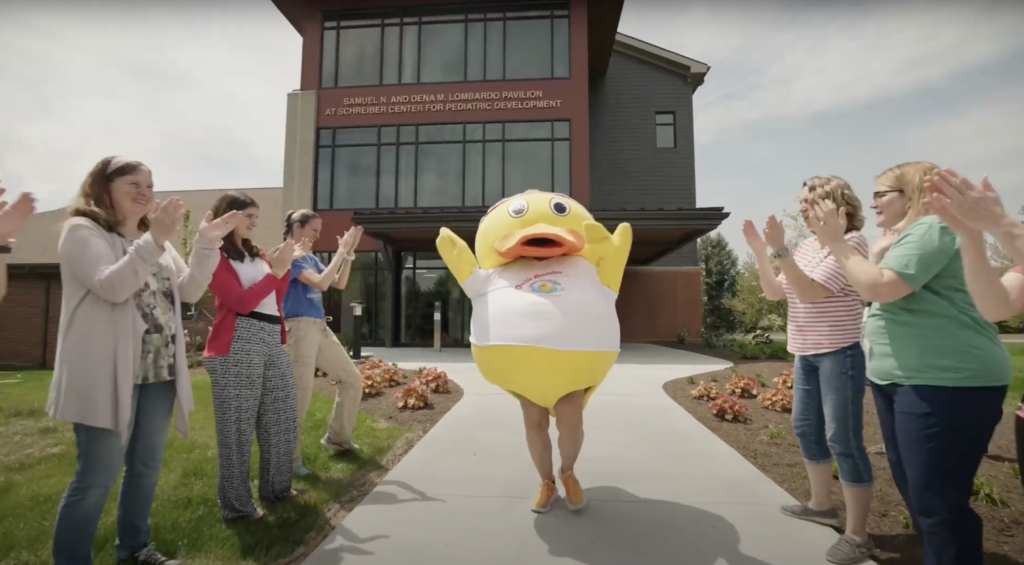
(117, 162)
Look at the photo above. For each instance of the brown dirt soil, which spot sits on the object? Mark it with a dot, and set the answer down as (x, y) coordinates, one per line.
(780, 460)
(383, 408)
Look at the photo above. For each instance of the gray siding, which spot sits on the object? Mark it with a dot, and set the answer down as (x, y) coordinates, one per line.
(627, 170)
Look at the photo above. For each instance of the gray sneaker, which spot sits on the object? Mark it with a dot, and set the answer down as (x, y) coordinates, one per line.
(848, 551)
(828, 517)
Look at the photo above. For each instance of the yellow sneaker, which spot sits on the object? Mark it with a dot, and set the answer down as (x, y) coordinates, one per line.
(545, 496)
(574, 498)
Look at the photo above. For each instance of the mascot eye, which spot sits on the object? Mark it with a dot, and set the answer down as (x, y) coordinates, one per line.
(518, 208)
(559, 207)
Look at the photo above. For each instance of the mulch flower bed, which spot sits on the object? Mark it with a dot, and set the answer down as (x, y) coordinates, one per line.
(767, 441)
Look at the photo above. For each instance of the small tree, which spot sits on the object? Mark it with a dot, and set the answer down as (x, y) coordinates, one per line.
(752, 310)
(719, 267)
(186, 239)
(796, 231)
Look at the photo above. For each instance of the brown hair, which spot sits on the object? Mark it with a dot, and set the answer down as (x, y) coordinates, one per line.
(909, 179)
(235, 201)
(837, 191)
(93, 200)
(297, 218)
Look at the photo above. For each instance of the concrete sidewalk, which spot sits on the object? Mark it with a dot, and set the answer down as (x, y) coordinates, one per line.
(662, 489)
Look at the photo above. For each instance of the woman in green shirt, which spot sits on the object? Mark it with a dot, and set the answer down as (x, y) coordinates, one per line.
(938, 371)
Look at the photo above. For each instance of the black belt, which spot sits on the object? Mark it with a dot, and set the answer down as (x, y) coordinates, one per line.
(263, 317)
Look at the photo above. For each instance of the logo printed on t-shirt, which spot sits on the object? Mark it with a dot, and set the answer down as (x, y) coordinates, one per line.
(546, 286)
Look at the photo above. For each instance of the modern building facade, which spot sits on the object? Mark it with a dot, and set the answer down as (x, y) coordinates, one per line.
(413, 115)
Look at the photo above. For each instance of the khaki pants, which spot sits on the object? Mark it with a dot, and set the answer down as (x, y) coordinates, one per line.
(311, 345)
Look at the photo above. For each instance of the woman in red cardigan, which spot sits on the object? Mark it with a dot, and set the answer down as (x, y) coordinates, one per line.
(251, 378)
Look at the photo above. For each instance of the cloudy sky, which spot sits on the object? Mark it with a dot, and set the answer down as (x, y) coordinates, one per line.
(796, 88)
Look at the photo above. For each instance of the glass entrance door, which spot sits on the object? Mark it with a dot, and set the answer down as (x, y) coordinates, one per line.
(425, 281)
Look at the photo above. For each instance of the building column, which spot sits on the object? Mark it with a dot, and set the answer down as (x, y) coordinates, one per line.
(299, 151)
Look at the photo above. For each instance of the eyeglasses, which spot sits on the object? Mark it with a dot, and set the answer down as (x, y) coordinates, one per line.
(878, 195)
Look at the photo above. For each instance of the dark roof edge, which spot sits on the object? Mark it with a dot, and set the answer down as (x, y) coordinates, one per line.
(692, 68)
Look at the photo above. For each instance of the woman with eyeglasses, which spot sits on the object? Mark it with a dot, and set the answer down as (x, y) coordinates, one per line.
(937, 369)
(972, 210)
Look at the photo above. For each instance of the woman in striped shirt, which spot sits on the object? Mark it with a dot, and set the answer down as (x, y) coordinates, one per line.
(971, 211)
(933, 359)
(824, 333)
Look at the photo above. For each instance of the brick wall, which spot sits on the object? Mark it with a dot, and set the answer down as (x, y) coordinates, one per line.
(23, 321)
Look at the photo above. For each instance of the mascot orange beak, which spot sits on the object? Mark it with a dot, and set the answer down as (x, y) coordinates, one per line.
(540, 241)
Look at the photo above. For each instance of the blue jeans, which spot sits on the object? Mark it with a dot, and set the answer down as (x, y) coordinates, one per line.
(828, 411)
(100, 454)
(935, 438)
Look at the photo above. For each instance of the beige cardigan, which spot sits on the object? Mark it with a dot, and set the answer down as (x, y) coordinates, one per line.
(99, 341)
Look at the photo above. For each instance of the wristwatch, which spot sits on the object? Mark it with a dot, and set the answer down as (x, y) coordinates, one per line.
(780, 252)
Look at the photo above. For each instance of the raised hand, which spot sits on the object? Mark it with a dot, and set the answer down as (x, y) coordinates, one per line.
(963, 205)
(753, 237)
(281, 257)
(14, 214)
(303, 248)
(348, 242)
(827, 222)
(165, 219)
(215, 230)
(774, 233)
(882, 245)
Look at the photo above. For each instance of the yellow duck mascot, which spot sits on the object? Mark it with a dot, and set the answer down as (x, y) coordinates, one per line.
(543, 286)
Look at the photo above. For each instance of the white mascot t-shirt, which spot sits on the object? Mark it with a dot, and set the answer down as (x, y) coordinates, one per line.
(556, 303)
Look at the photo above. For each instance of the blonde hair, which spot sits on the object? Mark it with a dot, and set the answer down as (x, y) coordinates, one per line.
(909, 178)
(837, 191)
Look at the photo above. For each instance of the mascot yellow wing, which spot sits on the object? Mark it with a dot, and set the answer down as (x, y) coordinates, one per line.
(456, 254)
(608, 252)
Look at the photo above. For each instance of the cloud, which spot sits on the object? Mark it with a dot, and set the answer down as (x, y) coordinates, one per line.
(777, 60)
(198, 91)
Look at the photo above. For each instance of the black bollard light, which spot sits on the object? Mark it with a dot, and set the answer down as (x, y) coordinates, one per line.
(357, 330)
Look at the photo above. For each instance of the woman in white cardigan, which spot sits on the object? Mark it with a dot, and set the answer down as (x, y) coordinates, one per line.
(121, 365)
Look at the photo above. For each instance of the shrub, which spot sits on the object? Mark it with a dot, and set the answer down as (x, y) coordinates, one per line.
(742, 387)
(683, 337)
(761, 381)
(705, 391)
(433, 380)
(785, 379)
(773, 432)
(378, 375)
(984, 492)
(719, 267)
(730, 409)
(778, 399)
(752, 310)
(762, 351)
(413, 396)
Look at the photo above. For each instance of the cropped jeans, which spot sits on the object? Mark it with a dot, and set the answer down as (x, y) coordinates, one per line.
(99, 458)
(828, 411)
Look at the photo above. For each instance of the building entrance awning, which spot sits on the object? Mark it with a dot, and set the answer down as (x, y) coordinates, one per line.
(656, 233)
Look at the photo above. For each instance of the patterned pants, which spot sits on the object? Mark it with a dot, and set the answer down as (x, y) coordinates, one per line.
(253, 388)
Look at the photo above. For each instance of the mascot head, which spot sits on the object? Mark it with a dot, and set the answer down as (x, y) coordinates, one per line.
(531, 224)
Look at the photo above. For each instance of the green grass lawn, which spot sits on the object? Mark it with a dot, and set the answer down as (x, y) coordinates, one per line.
(1017, 380)
(37, 459)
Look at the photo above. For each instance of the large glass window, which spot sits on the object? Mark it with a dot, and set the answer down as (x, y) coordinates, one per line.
(426, 281)
(367, 282)
(417, 44)
(440, 165)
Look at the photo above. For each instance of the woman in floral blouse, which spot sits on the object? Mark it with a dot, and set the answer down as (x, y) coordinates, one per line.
(121, 371)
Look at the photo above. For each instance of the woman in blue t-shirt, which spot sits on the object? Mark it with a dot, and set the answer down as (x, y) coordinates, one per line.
(311, 344)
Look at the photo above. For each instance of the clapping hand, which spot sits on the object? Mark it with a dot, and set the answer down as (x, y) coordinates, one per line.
(774, 233)
(964, 206)
(753, 238)
(215, 230)
(348, 242)
(881, 247)
(14, 214)
(827, 222)
(281, 257)
(165, 219)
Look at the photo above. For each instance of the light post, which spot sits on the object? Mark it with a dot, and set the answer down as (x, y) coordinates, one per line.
(357, 329)
(437, 326)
